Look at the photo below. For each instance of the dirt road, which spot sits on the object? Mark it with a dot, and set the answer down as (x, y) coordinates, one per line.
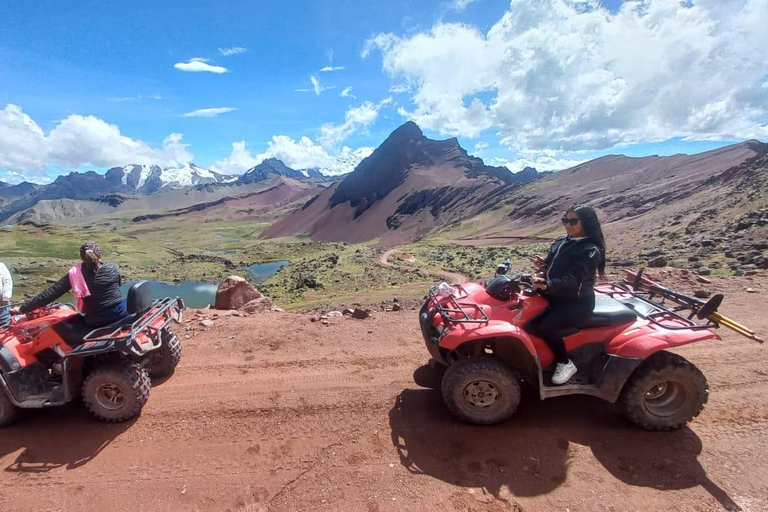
(446, 275)
(274, 412)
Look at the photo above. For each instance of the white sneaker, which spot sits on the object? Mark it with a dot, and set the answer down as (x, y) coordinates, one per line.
(564, 372)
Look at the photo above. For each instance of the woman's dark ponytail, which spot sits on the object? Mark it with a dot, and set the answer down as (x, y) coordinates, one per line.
(593, 231)
(91, 260)
(90, 253)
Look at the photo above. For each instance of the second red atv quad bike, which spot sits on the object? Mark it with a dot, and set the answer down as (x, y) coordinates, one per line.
(486, 336)
(49, 356)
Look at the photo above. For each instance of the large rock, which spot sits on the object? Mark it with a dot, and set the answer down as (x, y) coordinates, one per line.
(258, 305)
(235, 292)
(658, 262)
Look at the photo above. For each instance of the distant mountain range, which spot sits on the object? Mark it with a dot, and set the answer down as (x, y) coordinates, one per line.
(141, 180)
(412, 186)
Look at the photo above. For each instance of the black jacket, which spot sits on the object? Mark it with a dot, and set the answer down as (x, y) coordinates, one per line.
(571, 268)
(104, 287)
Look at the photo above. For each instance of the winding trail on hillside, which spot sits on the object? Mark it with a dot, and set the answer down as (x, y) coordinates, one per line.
(448, 276)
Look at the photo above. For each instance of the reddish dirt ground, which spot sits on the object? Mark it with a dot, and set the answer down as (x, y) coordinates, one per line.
(274, 412)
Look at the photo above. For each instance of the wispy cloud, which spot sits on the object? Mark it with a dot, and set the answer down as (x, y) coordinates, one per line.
(198, 65)
(209, 112)
(138, 97)
(328, 69)
(317, 87)
(459, 5)
(400, 88)
(347, 93)
(234, 50)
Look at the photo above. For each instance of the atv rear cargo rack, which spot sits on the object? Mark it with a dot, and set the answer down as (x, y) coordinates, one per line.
(105, 338)
(454, 307)
(657, 311)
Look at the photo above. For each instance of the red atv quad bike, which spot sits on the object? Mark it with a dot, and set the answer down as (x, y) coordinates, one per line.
(49, 356)
(486, 336)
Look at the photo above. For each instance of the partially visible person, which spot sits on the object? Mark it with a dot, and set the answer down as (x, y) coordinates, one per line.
(568, 282)
(6, 291)
(95, 284)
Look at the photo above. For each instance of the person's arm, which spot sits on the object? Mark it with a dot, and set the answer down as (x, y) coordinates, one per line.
(56, 290)
(7, 285)
(584, 267)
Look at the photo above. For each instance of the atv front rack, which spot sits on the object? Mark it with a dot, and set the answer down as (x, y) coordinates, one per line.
(454, 311)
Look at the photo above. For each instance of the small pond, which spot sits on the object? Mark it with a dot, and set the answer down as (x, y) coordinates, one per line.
(198, 294)
(262, 271)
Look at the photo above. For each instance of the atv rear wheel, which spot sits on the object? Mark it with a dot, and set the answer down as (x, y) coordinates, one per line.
(8, 411)
(116, 391)
(664, 393)
(481, 390)
(164, 360)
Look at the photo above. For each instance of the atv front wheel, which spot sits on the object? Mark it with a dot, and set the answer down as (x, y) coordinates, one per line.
(664, 393)
(164, 360)
(116, 391)
(8, 411)
(481, 390)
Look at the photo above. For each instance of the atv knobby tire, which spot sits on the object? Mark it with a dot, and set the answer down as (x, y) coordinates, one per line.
(165, 358)
(481, 390)
(8, 411)
(664, 393)
(116, 391)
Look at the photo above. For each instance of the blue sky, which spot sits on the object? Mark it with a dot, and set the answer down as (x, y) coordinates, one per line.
(121, 65)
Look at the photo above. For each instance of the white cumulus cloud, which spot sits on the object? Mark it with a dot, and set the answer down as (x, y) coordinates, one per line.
(354, 119)
(545, 160)
(209, 112)
(571, 75)
(296, 154)
(75, 142)
(199, 65)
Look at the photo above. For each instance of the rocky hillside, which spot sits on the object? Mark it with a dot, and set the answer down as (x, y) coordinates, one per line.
(405, 188)
(704, 210)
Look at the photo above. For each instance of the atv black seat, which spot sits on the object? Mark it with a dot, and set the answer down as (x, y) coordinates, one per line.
(139, 298)
(607, 312)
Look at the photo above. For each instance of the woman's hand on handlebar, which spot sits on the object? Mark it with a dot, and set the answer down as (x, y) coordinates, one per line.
(15, 310)
(540, 283)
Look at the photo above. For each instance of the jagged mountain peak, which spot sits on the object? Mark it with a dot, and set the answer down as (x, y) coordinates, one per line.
(406, 148)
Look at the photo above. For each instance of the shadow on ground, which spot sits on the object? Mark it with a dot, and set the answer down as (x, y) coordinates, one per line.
(529, 454)
(67, 437)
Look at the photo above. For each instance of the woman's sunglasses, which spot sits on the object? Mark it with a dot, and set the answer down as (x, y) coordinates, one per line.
(572, 222)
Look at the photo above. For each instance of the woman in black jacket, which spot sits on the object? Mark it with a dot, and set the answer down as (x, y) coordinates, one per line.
(568, 282)
(104, 302)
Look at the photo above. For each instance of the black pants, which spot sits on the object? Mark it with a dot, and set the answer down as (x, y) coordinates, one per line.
(563, 315)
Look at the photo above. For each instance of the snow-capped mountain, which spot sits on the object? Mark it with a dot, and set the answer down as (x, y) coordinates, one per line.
(148, 179)
(346, 161)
